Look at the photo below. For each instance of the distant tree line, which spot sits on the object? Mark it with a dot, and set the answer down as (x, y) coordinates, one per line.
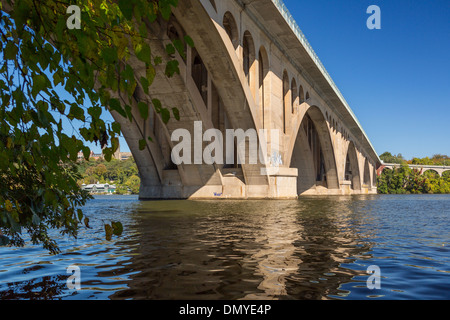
(124, 174)
(404, 180)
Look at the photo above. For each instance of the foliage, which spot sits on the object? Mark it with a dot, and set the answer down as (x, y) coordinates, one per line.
(405, 180)
(124, 174)
(436, 160)
(48, 73)
(387, 157)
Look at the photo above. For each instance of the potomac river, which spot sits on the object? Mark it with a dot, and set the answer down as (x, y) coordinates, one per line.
(313, 248)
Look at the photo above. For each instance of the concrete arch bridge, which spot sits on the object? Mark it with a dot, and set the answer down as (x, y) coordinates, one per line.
(421, 168)
(251, 68)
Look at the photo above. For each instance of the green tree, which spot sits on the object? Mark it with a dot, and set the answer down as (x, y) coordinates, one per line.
(133, 183)
(40, 55)
(387, 157)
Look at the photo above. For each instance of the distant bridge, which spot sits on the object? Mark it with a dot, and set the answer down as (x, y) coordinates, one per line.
(421, 168)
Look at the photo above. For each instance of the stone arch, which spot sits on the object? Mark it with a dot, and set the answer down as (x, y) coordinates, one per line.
(230, 26)
(352, 167)
(301, 94)
(200, 75)
(431, 171)
(307, 96)
(445, 174)
(294, 95)
(249, 59)
(313, 153)
(366, 176)
(374, 177)
(264, 84)
(286, 98)
(175, 32)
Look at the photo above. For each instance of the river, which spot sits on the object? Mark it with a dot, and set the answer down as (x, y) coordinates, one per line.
(313, 248)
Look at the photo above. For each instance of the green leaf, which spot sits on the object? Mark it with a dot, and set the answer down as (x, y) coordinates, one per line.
(117, 228)
(189, 41)
(126, 6)
(109, 55)
(86, 222)
(157, 61)
(143, 53)
(114, 143)
(145, 84)
(10, 51)
(80, 214)
(95, 112)
(86, 154)
(114, 105)
(170, 49)
(172, 68)
(76, 112)
(142, 144)
(157, 104)
(176, 113)
(143, 110)
(165, 115)
(39, 84)
(116, 127)
(179, 45)
(151, 73)
(108, 232)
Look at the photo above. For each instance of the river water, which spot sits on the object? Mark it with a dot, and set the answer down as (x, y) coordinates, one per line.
(313, 248)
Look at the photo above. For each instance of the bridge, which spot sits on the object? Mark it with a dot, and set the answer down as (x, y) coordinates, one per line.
(251, 69)
(421, 168)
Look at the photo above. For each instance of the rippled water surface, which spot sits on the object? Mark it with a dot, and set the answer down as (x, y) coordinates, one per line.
(313, 248)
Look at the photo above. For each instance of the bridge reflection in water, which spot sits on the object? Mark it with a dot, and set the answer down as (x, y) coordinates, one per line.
(244, 250)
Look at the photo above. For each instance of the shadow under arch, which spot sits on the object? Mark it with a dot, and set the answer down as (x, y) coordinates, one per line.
(366, 176)
(352, 167)
(231, 28)
(313, 153)
(264, 85)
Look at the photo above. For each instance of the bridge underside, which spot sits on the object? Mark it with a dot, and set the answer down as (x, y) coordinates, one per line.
(231, 81)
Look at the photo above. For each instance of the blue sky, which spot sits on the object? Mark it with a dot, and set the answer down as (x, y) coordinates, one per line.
(396, 79)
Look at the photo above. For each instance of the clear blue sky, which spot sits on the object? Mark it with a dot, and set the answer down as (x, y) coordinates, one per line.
(397, 79)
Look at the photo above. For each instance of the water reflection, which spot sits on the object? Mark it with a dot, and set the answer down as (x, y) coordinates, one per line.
(314, 248)
(243, 250)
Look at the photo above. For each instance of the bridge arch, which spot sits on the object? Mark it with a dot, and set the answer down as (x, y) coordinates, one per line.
(366, 174)
(249, 61)
(294, 95)
(264, 85)
(286, 99)
(431, 173)
(374, 177)
(301, 94)
(313, 153)
(352, 167)
(231, 28)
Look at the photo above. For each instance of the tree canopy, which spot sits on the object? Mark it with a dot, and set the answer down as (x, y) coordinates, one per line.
(52, 74)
